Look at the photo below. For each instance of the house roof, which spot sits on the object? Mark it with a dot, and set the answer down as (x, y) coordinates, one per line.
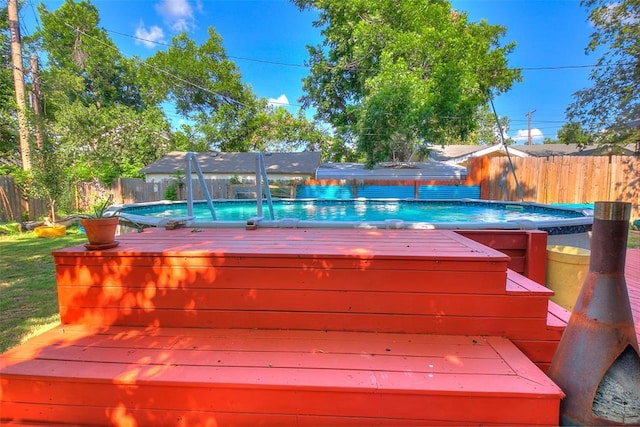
(238, 163)
(456, 154)
(548, 150)
(392, 171)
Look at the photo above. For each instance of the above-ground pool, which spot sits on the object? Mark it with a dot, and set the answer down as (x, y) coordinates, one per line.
(453, 214)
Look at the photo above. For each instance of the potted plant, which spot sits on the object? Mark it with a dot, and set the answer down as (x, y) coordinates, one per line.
(100, 227)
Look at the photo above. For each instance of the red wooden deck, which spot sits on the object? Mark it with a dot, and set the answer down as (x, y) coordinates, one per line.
(632, 275)
(291, 326)
(244, 377)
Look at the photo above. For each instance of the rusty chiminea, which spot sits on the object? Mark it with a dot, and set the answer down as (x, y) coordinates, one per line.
(597, 363)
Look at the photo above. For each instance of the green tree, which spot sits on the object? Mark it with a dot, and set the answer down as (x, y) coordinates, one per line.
(487, 132)
(223, 112)
(276, 129)
(82, 57)
(110, 142)
(50, 179)
(608, 108)
(392, 75)
(94, 111)
(573, 133)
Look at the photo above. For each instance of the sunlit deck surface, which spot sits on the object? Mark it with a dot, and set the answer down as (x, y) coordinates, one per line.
(632, 275)
(295, 327)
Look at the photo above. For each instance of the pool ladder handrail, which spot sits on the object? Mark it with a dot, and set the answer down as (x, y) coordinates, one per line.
(192, 160)
(261, 178)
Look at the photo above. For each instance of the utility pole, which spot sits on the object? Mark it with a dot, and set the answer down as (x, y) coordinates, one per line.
(36, 104)
(18, 83)
(529, 114)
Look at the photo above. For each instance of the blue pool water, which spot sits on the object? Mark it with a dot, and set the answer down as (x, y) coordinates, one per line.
(366, 211)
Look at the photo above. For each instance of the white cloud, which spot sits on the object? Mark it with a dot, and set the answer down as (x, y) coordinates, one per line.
(280, 101)
(148, 37)
(523, 135)
(177, 14)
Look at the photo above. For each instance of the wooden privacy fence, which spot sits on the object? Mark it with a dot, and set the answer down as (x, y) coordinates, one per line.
(135, 190)
(14, 206)
(563, 179)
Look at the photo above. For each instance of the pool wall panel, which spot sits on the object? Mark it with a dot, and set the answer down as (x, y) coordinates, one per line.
(425, 192)
(434, 192)
(386, 191)
(325, 192)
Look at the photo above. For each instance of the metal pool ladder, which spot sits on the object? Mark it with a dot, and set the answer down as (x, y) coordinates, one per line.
(192, 161)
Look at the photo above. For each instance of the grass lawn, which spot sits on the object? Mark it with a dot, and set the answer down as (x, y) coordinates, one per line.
(28, 297)
(634, 239)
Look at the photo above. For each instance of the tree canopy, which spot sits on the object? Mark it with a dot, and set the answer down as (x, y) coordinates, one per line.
(391, 76)
(610, 108)
(94, 111)
(105, 114)
(573, 133)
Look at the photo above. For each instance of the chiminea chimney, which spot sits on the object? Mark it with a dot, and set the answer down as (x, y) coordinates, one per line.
(597, 363)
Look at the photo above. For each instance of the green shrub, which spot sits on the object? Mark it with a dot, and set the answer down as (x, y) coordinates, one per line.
(10, 228)
(171, 193)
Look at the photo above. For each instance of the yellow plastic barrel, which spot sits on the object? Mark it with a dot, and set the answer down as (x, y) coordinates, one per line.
(50, 230)
(567, 267)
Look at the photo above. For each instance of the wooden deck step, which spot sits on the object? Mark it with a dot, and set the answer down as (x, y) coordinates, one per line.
(527, 250)
(178, 376)
(413, 281)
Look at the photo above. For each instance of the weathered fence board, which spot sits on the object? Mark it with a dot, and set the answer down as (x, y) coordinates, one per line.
(566, 179)
(13, 206)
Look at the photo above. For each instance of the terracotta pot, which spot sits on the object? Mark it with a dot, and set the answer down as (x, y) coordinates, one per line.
(100, 231)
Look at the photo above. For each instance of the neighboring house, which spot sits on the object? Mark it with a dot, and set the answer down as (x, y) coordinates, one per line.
(241, 166)
(414, 171)
(460, 154)
(550, 150)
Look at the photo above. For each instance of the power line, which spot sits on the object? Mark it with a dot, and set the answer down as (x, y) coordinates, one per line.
(35, 15)
(288, 64)
(537, 121)
(160, 70)
(168, 73)
(262, 61)
(272, 102)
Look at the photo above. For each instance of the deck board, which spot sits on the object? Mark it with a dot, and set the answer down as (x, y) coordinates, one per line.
(408, 303)
(325, 243)
(632, 276)
(392, 376)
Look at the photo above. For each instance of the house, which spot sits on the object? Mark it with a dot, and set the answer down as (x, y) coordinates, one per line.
(461, 154)
(393, 171)
(550, 150)
(240, 166)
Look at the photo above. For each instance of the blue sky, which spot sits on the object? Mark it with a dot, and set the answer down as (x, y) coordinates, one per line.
(267, 39)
